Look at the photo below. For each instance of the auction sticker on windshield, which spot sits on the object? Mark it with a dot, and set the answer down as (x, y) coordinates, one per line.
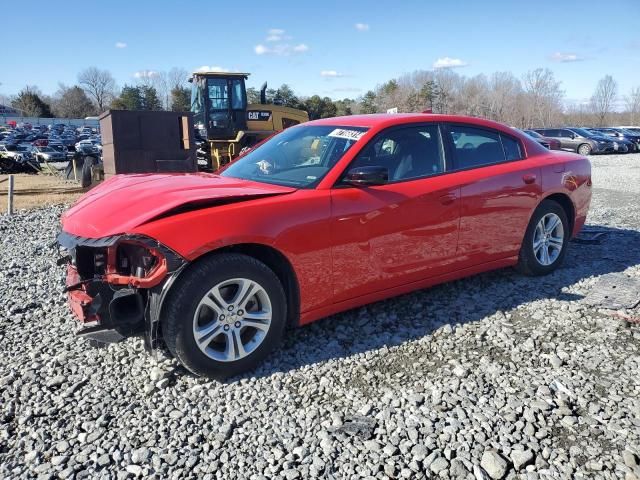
(347, 134)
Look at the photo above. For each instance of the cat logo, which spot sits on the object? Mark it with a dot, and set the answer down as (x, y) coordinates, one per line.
(259, 115)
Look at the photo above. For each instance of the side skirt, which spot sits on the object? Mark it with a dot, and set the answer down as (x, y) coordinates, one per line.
(312, 315)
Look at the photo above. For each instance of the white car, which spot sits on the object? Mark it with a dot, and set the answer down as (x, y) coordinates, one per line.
(10, 152)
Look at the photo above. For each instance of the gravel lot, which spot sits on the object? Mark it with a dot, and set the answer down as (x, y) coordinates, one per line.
(496, 376)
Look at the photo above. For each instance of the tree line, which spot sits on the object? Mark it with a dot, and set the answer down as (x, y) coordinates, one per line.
(534, 100)
(96, 91)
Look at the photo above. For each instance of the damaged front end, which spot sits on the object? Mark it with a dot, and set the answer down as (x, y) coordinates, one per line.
(116, 285)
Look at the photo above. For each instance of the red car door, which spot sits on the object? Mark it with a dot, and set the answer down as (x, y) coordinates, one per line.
(499, 190)
(403, 231)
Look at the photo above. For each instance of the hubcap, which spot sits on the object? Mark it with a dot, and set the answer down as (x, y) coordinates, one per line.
(232, 319)
(548, 239)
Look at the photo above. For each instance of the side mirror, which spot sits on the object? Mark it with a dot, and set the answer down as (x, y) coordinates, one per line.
(364, 176)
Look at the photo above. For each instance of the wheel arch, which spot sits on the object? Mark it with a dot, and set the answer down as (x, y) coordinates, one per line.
(276, 261)
(567, 205)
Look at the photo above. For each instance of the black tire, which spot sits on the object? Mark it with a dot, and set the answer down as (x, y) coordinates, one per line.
(87, 167)
(584, 149)
(177, 318)
(528, 263)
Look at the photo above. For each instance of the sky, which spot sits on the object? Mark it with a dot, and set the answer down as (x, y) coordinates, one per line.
(334, 48)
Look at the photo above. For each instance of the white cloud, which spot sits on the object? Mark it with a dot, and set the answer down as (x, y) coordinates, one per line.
(121, 45)
(362, 27)
(566, 57)
(146, 74)
(331, 74)
(278, 44)
(207, 68)
(448, 62)
(281, 49)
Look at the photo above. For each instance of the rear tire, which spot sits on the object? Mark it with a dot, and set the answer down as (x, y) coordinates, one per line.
(584, 149)
(545, 241)
(216, 330)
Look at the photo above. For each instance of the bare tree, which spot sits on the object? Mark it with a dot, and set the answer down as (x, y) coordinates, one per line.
(632, 102)
(545, 95)
(99, 85)
(166, 82)
(504, 92)
(603, 98)
(72, 102)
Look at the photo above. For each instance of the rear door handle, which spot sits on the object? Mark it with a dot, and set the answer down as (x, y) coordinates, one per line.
(529, 178)
(447, 199)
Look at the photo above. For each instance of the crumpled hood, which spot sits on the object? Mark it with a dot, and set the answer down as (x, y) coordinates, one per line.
(126, 201)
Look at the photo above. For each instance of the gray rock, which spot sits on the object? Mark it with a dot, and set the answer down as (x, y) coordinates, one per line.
(494, 464)
(521, 458)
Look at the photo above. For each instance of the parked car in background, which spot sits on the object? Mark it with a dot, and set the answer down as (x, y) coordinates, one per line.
(631, 128)
(11, 151)
(622, 135)
(323, 217)
(87, 148)
(48, 154)
(624, 146)
(580, 140)
(547, 142)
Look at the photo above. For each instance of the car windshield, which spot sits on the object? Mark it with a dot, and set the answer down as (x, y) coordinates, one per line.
(298, 157)
(533, 134)
(46, 149)
(584, 133)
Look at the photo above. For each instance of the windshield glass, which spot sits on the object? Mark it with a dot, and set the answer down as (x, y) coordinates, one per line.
(298, 157)
(218, 91)
(532, 134)
(582, 132)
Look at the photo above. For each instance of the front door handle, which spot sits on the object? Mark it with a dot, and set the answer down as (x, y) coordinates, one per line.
(529, 178)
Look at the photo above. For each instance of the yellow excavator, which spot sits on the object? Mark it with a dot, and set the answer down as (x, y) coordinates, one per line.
(225, 121)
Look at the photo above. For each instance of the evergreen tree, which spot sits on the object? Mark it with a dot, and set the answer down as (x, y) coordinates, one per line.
(29, 101)
(180, 99)
(130, 99)
(150, 99)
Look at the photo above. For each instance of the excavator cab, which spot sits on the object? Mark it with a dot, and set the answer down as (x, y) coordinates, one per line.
(226, 123)
(219, 104)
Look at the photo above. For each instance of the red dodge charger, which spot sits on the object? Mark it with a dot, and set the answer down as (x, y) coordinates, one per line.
(323, 217)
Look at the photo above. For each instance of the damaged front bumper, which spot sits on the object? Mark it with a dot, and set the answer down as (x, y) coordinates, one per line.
(116, 285)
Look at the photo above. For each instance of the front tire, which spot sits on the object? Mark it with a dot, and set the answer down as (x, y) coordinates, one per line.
(584, 149)
(224, 316)
(546, 240)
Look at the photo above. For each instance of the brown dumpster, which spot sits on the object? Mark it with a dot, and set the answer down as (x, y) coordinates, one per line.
(147, 142)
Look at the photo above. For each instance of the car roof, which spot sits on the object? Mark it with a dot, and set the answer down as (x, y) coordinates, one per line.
(382, 120)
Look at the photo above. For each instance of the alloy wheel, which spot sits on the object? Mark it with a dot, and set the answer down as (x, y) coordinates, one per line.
(232, 319)
(548, 239)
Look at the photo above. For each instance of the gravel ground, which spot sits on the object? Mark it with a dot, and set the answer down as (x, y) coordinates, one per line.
(495, 376)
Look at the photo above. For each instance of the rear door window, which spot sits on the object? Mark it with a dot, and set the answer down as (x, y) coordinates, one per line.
(511, 148)
(474, 147)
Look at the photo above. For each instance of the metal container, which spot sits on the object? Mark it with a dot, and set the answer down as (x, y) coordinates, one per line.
(147, 142)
